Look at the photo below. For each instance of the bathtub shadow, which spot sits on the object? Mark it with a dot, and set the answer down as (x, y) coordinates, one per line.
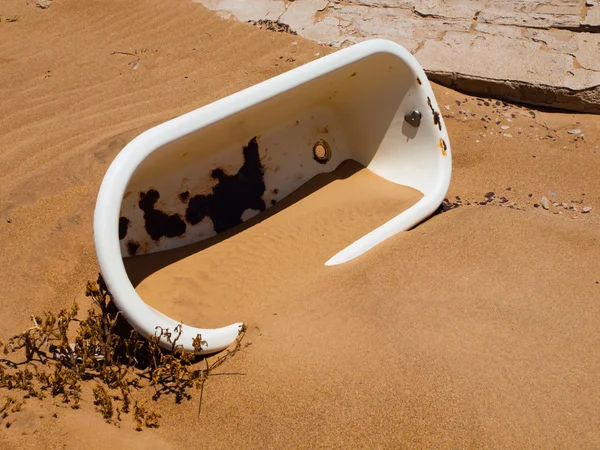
(140, 267)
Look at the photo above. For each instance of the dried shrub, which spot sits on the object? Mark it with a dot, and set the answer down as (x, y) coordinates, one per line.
(41, 362)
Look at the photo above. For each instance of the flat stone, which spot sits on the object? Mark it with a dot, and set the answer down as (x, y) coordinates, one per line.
(542, 53)
(592, 18)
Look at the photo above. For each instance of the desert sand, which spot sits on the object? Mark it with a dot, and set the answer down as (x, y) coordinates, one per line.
(478, 328)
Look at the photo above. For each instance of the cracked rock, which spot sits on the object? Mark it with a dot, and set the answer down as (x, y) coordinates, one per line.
(542, 53)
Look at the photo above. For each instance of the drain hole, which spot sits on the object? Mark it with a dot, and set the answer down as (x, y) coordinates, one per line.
(321, 152)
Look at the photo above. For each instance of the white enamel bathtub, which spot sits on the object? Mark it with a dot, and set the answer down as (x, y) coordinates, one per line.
(206, 171)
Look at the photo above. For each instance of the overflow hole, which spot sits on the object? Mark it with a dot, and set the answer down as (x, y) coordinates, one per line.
(321, 152)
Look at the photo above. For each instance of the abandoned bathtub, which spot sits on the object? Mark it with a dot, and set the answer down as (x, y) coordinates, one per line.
(208, 170)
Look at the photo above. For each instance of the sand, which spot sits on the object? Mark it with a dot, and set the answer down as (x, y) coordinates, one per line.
(478, 328)
(241, 272)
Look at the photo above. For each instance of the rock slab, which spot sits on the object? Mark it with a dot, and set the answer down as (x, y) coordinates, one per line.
(544, 53)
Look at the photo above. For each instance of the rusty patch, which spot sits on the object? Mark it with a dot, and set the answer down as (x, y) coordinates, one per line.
(132, 248)
(158, 223)
(232, 195)
(443, 146)
(419, 81)
(353, 75)
(184, 196)
(124, 223)
(436, 115)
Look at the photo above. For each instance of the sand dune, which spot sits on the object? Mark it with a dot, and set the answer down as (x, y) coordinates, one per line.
(477, 328)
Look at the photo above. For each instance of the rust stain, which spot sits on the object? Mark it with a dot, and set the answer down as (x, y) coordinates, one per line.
(436, 115)
(184, 155)
(132, 248)
(124, 223)
(127, 194)
(419, 81)
(232, 195)
(158, 223)
(443, 146)
(184, 196)
(353, 75)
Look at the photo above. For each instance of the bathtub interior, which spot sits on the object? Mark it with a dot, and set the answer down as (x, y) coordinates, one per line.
(220, 175)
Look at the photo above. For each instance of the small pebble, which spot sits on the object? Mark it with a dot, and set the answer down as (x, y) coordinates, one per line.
(574, 131)
(44, 4)
(507, 135)
(544, 202)
(505, 127)
(447, 107)
(586, 210)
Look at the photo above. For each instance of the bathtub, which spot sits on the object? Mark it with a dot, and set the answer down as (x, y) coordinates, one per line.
(207, 171)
